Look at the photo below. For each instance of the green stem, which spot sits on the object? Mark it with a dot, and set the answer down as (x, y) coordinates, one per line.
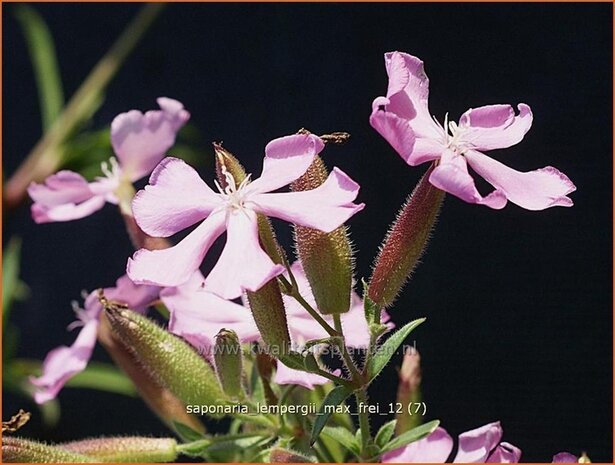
(45, 157)
(361, 397)
(327, 327)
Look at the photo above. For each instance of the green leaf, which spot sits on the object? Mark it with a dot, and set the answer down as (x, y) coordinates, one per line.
(344, 437)
(189, 435)
(414, 434)
(45, 63)
(335, 397)
(384, 353)
(385, 433)
(104, 377)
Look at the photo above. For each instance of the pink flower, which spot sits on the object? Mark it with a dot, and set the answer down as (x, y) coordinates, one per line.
(404, 120)
(177, 198)
(565, 457)
(197, 315)
(479, 445)
(63, 362)
(139, 140)
(302, 328)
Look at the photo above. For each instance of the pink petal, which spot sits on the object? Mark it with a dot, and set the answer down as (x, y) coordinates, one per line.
(533, 190)
(243, 264)
(285, 375)
(65, 196)
(354, 324)
(175, 265)
(435, 448)
(68, 212)
(333, 200)
(197, 315)
(409, 92)
(475, 445)
(175, 199)
(565, 457)
(140, 140)
(136, 296)
(505, 453)
(452, 176)
(495, 126)
(64, 362)
(395, 130)
(285, 160)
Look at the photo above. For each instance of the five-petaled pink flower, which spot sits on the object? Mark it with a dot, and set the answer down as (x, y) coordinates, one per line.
(139, 140)
(404, 120)
(177, 198)
(479, 445)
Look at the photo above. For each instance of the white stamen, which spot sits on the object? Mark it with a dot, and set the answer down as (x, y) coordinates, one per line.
(234, 194)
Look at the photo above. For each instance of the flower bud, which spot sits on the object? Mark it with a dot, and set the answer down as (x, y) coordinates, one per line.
(405, 242)
(266, 304)
(229, 365)
(326, 257)
(408, 391)
(158, 398)
(19, 450)
(279, 455)
(269, 315)
(170, 360)
(126, 449)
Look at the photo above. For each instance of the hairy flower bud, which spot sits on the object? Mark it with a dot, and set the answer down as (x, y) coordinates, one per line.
(229, 365)
(19, 450)
(266, 304)
(158, 398)
(170, 360)
(408, 391)
(126, 449)
(405, 242)
(326, 257)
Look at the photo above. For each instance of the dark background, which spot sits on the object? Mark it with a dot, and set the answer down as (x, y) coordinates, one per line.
(518, 303)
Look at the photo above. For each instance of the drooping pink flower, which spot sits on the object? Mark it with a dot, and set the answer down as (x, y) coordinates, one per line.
(480, 445)
(197, 315)
(302, 328)
(139, 141)
(404, 120)
(177, 198)
(64, 362)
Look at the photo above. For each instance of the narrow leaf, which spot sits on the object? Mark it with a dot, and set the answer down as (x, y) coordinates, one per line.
(413, 435)
(344, 437)
(187, 433)
(385, 433)
(334, 398)
(385, 352)
(44, 61)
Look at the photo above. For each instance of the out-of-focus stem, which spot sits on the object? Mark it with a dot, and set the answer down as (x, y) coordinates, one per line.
(45, 157)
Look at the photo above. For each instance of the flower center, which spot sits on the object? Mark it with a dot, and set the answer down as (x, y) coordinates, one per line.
(452, 135)
(234, 194)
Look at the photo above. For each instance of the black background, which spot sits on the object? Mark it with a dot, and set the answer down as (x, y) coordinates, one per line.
(518, 303)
